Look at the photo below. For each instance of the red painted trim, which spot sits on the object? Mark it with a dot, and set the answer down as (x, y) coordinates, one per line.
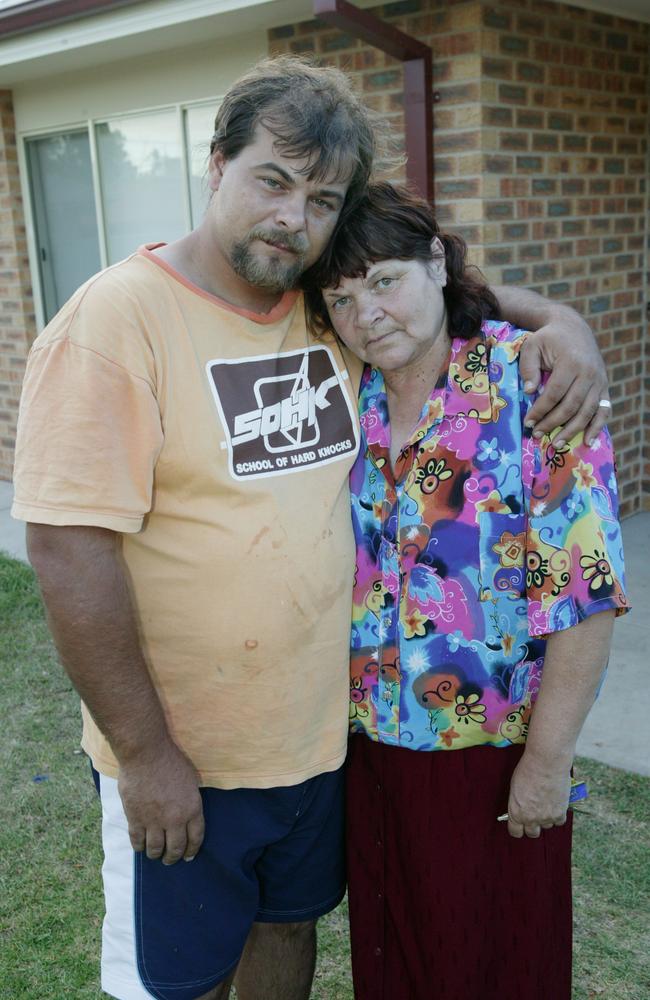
(27, 17)
(418, 81)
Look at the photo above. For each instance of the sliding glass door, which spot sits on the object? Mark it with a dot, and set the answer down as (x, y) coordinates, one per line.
(63, 203)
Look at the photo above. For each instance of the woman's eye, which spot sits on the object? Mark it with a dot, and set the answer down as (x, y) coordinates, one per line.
(340, 303)
(384, 282)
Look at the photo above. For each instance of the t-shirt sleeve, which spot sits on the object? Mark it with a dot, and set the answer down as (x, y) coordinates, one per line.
(574, 551)
(89, 429)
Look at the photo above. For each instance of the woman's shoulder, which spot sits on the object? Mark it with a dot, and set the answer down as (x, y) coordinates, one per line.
(497, 331)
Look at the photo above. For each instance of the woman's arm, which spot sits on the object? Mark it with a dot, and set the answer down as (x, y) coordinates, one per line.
(573, 666)
(564, 345)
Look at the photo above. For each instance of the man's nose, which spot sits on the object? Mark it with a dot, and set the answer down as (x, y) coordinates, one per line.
(291, 212)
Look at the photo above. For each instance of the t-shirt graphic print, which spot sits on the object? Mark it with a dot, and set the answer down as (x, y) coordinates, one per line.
(283, 412)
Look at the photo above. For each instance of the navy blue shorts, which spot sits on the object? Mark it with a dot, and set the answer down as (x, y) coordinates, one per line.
(174, 932)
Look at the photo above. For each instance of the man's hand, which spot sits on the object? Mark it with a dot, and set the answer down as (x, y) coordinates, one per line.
(163, 805)
(564, 345)
(571, 400)
(539, 796)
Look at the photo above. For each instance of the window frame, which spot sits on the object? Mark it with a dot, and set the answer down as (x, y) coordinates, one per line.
(90, 126)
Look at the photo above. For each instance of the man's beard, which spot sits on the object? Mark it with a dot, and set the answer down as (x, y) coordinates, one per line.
(274, 274)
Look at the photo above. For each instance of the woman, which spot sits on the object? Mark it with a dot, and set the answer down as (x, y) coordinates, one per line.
(489, 572)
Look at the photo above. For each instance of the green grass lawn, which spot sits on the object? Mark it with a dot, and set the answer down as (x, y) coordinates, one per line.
(50, 891)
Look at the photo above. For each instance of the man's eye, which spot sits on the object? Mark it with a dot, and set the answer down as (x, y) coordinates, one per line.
(272, 183)
(323, 205)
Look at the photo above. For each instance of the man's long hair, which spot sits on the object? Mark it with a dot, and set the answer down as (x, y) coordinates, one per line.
(313, 113)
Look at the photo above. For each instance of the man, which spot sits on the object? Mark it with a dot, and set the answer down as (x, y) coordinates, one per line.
(182, 462)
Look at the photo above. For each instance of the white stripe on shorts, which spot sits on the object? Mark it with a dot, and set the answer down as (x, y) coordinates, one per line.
(120, 976)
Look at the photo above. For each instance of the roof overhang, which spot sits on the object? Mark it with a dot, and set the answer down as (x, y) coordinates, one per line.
(46, 37)
(127, 29)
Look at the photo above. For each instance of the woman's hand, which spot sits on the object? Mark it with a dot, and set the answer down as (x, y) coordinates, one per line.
(539, 796)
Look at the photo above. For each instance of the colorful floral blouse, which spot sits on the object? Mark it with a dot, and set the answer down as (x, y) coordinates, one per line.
(482, 543)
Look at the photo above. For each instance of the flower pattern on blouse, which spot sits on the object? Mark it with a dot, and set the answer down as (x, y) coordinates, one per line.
(479, 544)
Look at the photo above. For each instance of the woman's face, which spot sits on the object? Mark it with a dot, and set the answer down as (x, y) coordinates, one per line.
(390, 318)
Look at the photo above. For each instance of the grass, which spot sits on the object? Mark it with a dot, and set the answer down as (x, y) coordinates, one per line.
(50, 890)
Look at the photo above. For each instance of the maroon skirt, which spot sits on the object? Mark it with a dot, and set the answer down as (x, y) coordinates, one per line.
(444, 903)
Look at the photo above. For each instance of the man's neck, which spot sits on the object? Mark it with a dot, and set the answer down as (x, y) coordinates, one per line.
(199, 259)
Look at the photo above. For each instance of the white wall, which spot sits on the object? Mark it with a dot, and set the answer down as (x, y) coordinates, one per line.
(169, 77)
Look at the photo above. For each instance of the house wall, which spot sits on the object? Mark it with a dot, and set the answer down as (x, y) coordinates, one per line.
(17, 323)
(541, 162)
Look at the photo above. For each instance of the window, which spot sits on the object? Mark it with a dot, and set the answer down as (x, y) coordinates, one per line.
(64, 214)
(99, 192)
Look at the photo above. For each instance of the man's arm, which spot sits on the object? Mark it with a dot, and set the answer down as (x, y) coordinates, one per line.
(86, 593)
(573, 666)
(564, 345)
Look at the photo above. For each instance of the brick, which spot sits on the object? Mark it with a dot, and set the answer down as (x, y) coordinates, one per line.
(337, 40)
(454, 142)
(556, 208)
(498, 115)
(512, 93)
(458, 188)
(498, 164)
(559, 289)
(531, 251)
(514, 141)
(574, 143)
(544, 185)
(514, 187)
(499, 210)
(561, 76)
(498, 69)
(514, 275)
(614, 165)
(542, 272)
(559, 121)
(498, 256)
(544, 142)
(617, 41)
(527, 118)
(534, 163)
(514, 45)
(530, 72)
(493, 18)
(528, 24)
(383, 80)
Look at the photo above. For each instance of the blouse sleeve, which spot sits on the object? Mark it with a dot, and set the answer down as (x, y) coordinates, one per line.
(574, 551)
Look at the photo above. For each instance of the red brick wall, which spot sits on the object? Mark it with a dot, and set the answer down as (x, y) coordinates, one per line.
(17, 323)
(541, 163)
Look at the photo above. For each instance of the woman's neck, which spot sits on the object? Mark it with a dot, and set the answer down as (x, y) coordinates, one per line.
(408, 389)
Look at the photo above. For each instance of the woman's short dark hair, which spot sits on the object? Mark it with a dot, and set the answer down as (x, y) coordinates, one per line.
(311, 111)
(390, 222)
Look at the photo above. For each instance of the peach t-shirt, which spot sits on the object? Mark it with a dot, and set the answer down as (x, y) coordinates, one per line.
(218, 442)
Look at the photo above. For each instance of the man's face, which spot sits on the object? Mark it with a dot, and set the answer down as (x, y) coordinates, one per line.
(270, 220)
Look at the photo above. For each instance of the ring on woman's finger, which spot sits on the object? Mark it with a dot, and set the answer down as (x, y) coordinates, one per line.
(605, 403)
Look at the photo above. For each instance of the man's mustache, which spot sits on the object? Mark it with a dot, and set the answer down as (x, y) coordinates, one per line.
(286, 241)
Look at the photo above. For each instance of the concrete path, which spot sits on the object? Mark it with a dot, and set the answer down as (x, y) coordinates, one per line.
(617, 731)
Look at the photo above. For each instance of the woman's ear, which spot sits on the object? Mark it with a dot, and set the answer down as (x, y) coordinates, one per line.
(438, 262)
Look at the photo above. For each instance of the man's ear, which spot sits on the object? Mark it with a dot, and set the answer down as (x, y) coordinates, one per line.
(438, 264)
(215, 169)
